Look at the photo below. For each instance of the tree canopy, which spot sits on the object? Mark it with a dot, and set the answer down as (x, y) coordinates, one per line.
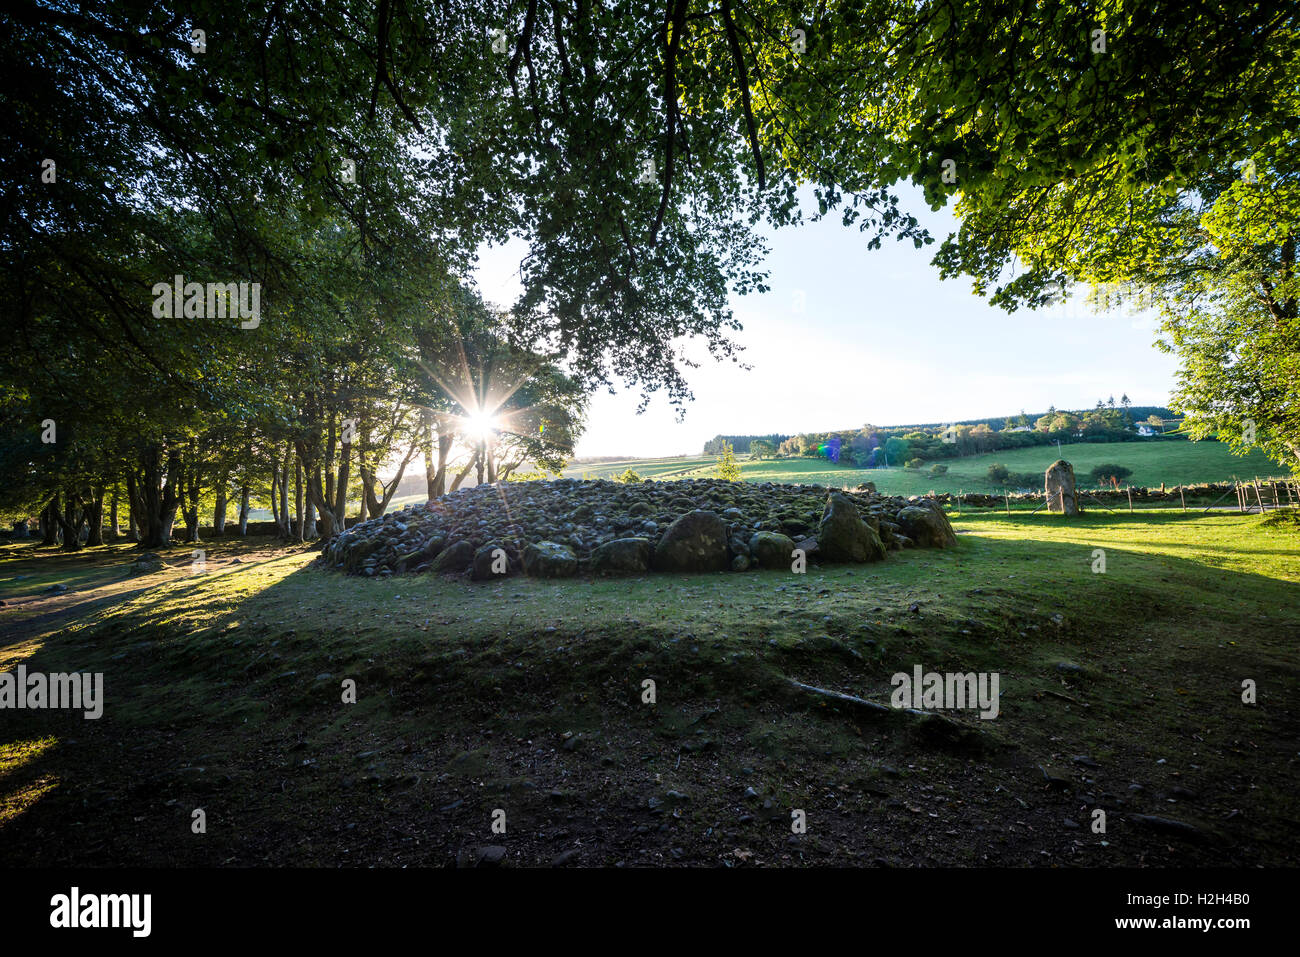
(333, 169)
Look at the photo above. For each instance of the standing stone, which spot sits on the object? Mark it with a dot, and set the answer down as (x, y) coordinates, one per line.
(1059, 488)
(843, 536)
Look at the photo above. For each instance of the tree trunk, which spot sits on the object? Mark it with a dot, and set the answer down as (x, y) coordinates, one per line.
(298, 514)
(191, 508)
(114, 528)
(426, 452)
(133, 508)
(50, 525)
(160, 501)
(331, 500)
(444, 450)
(284, 498)
(243, 510)
(219, 511)
(435, 474)
(463, 472)
(71, 518)
(95, 516)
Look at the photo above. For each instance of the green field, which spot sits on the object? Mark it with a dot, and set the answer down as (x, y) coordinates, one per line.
(1173, 463)
(223, 692)
(669, 468)
(659, 469)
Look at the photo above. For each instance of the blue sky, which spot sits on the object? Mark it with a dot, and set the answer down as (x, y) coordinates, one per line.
(879, 339)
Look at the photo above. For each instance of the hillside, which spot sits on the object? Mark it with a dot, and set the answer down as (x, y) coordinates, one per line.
(1172, 463)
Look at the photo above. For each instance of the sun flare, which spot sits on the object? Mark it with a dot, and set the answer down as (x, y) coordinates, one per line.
(481, 425)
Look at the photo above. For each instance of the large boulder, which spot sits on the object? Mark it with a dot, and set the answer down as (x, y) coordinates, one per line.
(771, 549)
(490, 561)
(453, 559)
(926, 525)
(1058, 486)
(550, 560)
(843, 536)
(695, 542)
(622, 555)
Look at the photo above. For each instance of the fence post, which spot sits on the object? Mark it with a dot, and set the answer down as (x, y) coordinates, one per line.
(1129, 489)
(1181, 498)
(1007, 496)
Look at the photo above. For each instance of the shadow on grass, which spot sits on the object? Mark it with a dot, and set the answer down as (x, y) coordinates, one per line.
(225, 692)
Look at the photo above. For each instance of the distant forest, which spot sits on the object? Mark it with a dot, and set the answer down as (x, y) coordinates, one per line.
(740, 443)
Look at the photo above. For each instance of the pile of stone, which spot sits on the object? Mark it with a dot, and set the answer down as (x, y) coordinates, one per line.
(562, 528)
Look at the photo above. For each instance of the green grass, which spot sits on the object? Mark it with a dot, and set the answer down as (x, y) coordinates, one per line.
(660, 469)
(1173, 463)
(223, 692)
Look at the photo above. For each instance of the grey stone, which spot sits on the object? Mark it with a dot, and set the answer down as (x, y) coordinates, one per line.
(454, 559)
(1058, 486)
(622, 555)
(771, 549)
(550, 560)
(927, 526)
(695, 542)
(843, 536)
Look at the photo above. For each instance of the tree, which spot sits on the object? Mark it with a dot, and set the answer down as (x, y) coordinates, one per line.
(761, 449)
(1110, 473)
(1196, 216)
(728, 468)
(897, 450)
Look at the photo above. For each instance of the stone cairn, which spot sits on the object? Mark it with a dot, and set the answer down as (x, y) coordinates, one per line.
(558, 529)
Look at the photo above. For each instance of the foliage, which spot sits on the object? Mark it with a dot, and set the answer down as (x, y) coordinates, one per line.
(728, 468)
(1107, 473)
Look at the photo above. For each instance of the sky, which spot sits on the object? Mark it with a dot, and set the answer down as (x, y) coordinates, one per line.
(879, 339)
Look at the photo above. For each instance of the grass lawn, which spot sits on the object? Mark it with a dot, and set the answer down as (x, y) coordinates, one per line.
(1119, 691)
